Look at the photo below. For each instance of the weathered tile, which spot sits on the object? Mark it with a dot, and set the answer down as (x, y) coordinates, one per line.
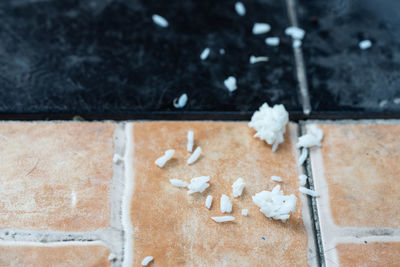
(53, 254)
(55, 176)
(176, 228)
(369, 254)
(360, 168)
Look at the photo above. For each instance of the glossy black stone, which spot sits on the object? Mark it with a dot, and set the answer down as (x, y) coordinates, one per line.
(344, 79)
(108, 57)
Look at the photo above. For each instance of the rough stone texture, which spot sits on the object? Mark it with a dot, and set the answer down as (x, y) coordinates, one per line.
(370, 254)
(55, 176)
(361, 168)
(176, 228)
(95, 255)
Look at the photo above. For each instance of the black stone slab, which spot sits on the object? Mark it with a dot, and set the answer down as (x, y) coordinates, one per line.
(344, 80)
(104, 57)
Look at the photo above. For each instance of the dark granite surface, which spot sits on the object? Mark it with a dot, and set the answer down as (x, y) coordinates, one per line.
(108, 57)
(342, 78)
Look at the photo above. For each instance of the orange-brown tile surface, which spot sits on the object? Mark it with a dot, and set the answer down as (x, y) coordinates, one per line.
(54, 256)
(361, 168)
(176, 228)
(55, 176)
(368, 255)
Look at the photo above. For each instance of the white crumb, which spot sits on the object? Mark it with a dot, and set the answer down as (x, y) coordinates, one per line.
(272, 41)
(223, 218)
(365, 44)
(308, 191)
(296, 43)
(295, 32)
(117, 158)
(254, 59)
(181, 101)
(226, 204)
(261, 28)
(237, 187)
(230, 83)
(240, 9)
(198, 184)
(245, 212)
(222, 51)
(209, 200)
(196, 154)
(302, 179)
(303, 156)
(160, 162)
(160, 21)
(204, 55)
(178, 183)
(190, 143)
(276, 178)
(147, 260)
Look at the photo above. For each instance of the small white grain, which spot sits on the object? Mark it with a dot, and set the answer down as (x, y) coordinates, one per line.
(240, 9)
(308, 140)
(237, 187)
(178, 183)
(117, 158)
(223, 218)
(295, 32)
(209, 201)
(230, 83)
(181, 101)
(365, 44)
(261, 28)
(147, 260)
(190, 143)
(276, 178)
(160, 162)
(245, 212)
(222, 51)
(272, 41)
(196, 154)
(204, 55)
(396, 101)
(308, 191)
(302, 179)
(296, 43)
(198, 184)
(160, 21)
(112, 257)
(303, 156)
(225, 204)
(254, 59)
(383, 103)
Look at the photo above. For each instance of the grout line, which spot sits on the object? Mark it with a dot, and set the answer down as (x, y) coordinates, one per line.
(49, 236)
(299, 61)
(51, 244)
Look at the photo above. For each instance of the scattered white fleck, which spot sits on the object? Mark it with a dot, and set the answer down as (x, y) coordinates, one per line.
(303, 156)
(204, 55)
(230, 83)
(240, 9)
(147, 260)
(237, 187)
(73, 198)
(270, 124)
(302, 179)
(272, 41)
(396, 101)
(296, 43)
(190, 143)
(223, 218)
(196, 154)
(308, 140)
(383, 103)
(181, 101)
(295, 32)
(245, 212)
(117, 158)
(178, 183)
(198, 184)
(209, 201)
(308, 191)
(160, 162)
(222, 51)
(273, 204)
(160, 21)
(276, 178)
(261, 28)
(112, 257)
(365, 44)
(226, 204)
(254, 59)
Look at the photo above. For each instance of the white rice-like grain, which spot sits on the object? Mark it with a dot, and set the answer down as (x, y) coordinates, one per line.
(295, 32)
(226, 204)
(254, 59)
(160, 21)
(181, 101)
(261, 28)
(160, 162)
(112, 257)
(302, 179)
(237, 187)
(303, 156)
(308, 191)
(276, 178)
(147, 260)
(296, 43)
(365, 44)
(308, 140)
(178, 183)
(204, 55)
(198, 184)
(240, 9)
(245, 212)
(222, 51)
(196, 154)
(230, 83)
(209, 200)
(272, 41)
(220, 219)
(190, 143)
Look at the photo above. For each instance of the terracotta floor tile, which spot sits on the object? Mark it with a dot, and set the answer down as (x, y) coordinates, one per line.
(55, 176)
(57, 255)
(176, 228)
(370, 254)
(361, 169)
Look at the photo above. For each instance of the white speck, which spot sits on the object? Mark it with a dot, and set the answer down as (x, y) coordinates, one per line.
(181, 101)
(396, 101)
(237, 187)
(303, 156)
(116, 158)
(254, 59)
(160, 162)
(222, 51)
(272, 41)
(308, 191)
(190, 143)
(209, 201)
(365, 44)
(205, 53)
(295, 32)
(303, 179)
(261, 28)
(147, 260)
(276, 178)
(230, 83)
(73, 198)
(196, 154)
(225, 204)
(383, 103)
(308, 140)
(240, 9)
(223, 218)
(112, 257)
(178, 183)
(296, 43)
(160, 21)
(245, 212)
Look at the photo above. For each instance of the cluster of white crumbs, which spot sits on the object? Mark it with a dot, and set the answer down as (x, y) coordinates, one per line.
(237, 187)
(181, 101)
(270, 124)
(190, 141)
(313, 138)
(273, 204)
(178, 183)
(302, 179)
(161, 161)
(198, 184)
(230, 83)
